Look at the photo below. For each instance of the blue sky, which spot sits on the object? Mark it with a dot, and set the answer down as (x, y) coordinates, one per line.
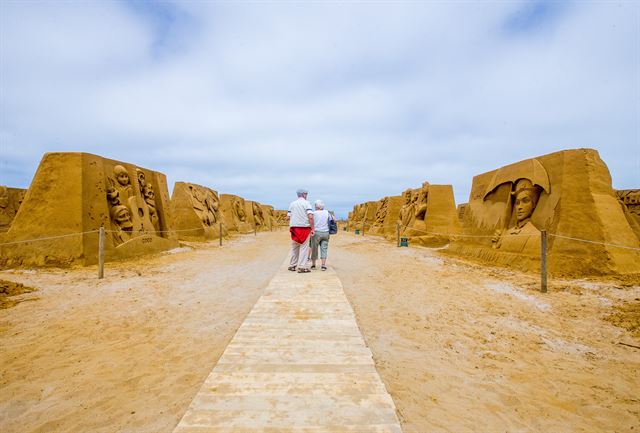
(353, 100)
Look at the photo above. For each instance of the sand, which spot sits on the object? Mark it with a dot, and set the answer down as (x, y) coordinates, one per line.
(127, 353)
(460, 347)
(463, 348)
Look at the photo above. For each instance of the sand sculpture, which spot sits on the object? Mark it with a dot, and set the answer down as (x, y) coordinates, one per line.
(269, 217)
(630, 202)
(257, 215)
(196, 207)
(566, 193)
(462, 208)
(73, 193)
(387, 212)
(282, 217)
(10, 201)
(428, 215)
(235, 214)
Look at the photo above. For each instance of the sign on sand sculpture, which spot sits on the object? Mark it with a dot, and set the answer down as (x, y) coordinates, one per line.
(73, 195)
(196, 212)
(566, 193)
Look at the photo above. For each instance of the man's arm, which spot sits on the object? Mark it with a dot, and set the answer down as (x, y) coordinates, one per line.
(313, 227)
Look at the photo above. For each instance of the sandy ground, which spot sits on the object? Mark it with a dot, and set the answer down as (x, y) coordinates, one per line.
(127, 353)
(464, 348)
(461, 348)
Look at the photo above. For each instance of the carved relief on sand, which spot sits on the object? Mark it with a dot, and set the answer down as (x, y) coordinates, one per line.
(132, 204)
(10, 200)
(630, 201)
(413, 211)
(515, 231)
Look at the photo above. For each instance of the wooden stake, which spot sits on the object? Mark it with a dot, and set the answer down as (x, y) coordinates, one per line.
(398, 233)
(543, 261)
(220, 234)
(101, 253)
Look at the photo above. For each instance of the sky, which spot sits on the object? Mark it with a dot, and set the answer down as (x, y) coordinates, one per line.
(351, 100)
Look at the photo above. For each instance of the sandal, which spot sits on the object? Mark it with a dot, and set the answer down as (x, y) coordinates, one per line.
(324, 268)
(292, 268)
(313, 266)
(303, 270)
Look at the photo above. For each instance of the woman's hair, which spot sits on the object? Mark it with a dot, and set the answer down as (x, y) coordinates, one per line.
(319, 204)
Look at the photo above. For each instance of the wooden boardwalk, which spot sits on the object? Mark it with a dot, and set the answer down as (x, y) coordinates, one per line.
(298, 363)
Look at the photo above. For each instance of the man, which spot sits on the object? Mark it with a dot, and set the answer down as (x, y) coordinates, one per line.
(301, 228)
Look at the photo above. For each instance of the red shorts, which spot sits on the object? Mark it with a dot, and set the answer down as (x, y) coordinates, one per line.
(299, 234)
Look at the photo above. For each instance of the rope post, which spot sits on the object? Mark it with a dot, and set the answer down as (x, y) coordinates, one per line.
(255, 230)
(220, 234)
(362, 227)
(543, 261)
(101, 253)
(398, 233)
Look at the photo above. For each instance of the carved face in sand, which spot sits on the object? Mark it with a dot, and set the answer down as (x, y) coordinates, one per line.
(149, 193)
(141, 178)
(122, 217)
(4, 197)
(113, 196)
(121, 175)
(526, 198)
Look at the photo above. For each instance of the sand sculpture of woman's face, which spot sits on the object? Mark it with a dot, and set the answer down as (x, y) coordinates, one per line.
(526, 198)
(121, 175)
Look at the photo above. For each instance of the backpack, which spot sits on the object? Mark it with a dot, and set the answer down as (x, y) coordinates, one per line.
(333, 226)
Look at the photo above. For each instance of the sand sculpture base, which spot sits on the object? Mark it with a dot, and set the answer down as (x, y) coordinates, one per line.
(566, 193)
(72, 195)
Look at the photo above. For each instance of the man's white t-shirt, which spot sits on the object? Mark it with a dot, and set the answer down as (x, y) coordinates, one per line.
(298, 213)
(321, 220)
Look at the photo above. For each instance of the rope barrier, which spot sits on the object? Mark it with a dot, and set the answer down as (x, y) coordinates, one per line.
(48, 238)
(595, 242)
(356, 225)
(94, 231)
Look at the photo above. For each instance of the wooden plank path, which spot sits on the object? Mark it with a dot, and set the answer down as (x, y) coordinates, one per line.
(298, 363)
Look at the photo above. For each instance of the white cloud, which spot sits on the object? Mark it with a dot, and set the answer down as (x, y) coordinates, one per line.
(354, 101)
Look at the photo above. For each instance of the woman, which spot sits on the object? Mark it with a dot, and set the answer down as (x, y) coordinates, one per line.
(321, 219)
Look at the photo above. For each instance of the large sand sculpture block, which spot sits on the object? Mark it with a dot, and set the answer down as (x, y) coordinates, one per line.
(566, 193)
(235, 213)
(79, 192)
(428, 215)
(386, 216)
(10, 200)
(196, 212)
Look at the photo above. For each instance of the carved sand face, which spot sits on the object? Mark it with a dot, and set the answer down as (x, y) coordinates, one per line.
(4, 197)
(121, 175)
(113, 196)
(122, 217)
(149, 193)
(525, 204)
(141, 178)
